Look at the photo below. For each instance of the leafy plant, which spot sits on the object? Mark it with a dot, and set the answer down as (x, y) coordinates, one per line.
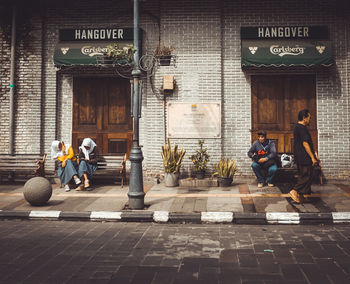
(121, 55)
(225, 168)
(172, 157)
(162, 50)
(200, 158)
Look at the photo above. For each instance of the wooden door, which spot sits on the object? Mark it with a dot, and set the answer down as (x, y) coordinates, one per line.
(276, 102)
(102, 112)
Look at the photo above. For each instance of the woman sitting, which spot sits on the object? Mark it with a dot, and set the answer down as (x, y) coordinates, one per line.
(67, 165)
(87, 161)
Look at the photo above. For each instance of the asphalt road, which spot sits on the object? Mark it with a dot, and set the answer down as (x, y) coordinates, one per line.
(111, 252)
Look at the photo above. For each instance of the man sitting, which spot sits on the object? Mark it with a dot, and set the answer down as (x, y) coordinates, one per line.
(263, 153)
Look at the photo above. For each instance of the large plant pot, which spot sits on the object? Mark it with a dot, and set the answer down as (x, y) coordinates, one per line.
(200, 175)
(171, 179)
(224, 182)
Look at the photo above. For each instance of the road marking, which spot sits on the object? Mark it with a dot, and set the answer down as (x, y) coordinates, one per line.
(161, 216)
(44, 214)
(217, 217)
(105, 215)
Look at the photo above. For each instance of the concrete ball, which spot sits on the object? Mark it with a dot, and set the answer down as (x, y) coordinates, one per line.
(37, 191)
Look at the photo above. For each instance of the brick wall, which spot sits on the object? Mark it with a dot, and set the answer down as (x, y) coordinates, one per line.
(206, 37)
(5, 46)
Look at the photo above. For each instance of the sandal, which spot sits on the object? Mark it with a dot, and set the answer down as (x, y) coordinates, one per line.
(295, 196)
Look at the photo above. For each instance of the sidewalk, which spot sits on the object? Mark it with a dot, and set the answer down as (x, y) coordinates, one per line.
(242, 203)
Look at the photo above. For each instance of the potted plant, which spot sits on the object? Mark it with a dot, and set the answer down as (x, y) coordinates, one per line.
(200, 160)
(121, 55)
(163, 52)
(225, 170)
(172, 159)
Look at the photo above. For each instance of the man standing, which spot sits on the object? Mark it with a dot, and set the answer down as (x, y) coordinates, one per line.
(304, 156)
(263, 153)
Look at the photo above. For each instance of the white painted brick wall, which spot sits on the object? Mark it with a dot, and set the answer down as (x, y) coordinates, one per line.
(206, 36)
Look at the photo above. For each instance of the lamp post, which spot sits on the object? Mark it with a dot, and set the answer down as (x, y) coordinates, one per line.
(136, 193)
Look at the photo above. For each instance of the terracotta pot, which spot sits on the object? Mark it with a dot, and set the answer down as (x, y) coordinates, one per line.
(224, 182)
(171, 179)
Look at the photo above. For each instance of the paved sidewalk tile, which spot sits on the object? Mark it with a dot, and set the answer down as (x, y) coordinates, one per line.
(330, 203)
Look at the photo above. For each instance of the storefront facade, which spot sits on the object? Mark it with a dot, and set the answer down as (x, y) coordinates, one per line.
(248, 64)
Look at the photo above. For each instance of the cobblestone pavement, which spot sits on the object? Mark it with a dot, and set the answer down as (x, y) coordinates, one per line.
(109, 252)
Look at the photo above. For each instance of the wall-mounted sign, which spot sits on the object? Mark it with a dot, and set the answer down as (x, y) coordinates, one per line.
(285, 32)
(80, 53)
(194, 120)
(91, 34)
(266, 53)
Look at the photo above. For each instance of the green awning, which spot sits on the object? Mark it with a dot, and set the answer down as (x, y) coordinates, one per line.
(81, 53)
(277, 53)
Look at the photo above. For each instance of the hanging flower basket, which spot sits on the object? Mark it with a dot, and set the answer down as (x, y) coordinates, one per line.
(165, 60)
(163, 53)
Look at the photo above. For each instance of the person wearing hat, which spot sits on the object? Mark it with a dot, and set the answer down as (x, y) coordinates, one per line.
(263, 154)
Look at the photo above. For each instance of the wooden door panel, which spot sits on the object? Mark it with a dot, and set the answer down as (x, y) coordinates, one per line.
(267, 104)
(102, 112)
(301, 94)
(87, 106)
(118, 143)
(117, 106)
(276, 102)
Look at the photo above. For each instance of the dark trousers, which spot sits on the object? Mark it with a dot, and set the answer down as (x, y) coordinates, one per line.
(303, 185)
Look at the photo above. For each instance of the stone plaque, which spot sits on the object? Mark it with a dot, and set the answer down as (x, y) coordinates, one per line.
(194, 120)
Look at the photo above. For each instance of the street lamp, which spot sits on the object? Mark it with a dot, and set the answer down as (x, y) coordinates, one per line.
(136, 194)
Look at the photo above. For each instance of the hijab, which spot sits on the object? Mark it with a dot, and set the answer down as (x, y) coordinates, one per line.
(55, 151)
(88, 142)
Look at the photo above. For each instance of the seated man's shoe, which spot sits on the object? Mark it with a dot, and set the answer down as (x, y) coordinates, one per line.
(260, 185)
(295, 196)
(270, 185)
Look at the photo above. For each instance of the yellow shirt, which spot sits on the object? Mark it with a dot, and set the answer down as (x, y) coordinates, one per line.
(70, 155)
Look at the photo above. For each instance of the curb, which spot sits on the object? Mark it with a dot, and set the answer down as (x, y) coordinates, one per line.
(199, 218)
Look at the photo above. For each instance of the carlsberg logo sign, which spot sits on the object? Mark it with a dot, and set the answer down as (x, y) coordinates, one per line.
(286, 50)
(93, 50)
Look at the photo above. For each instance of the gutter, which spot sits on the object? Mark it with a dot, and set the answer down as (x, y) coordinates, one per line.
(12, 79)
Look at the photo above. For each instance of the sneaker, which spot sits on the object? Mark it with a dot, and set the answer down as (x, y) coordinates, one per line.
(270, 185)
(77, 180)
(87, 183)
(80, 188)
(66, 188)
(260, 185)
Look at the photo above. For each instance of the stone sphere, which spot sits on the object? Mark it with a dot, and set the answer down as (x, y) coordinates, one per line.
(37, 191)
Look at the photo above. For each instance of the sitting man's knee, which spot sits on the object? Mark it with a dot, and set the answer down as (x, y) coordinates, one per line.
(255, 165)
(273, 168)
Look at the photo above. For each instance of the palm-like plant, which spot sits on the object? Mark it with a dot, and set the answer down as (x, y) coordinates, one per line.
(225, 168)
(172, 157)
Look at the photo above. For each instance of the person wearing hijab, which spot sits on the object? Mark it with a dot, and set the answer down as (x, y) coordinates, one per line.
(87, 161)
(66, 161)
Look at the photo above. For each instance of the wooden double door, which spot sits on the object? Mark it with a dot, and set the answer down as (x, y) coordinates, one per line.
(276, 102)
(102, 112)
